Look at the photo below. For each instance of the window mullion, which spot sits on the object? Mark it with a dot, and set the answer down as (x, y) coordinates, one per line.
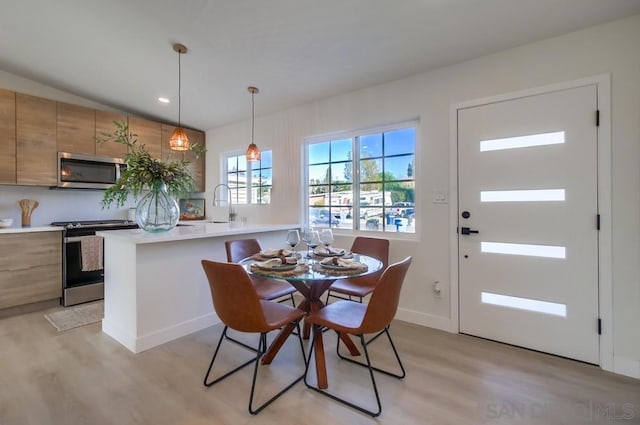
(355, 173)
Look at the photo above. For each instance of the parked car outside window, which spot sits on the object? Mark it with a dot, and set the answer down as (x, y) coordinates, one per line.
(323, 217)
(369, 212)
(403, 209)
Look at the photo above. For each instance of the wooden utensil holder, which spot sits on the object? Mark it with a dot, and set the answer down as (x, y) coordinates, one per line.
(26, 219)
(26, 207)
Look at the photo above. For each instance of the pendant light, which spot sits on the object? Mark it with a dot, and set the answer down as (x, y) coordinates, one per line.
(253, 153)
(179, 140)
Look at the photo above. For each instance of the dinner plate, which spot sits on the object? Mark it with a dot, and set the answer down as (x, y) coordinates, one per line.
(278, 268)
(262, 254)
(330, 254)
(337, 267)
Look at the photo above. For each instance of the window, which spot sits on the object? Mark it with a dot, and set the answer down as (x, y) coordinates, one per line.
(250, 182)
(364, 181)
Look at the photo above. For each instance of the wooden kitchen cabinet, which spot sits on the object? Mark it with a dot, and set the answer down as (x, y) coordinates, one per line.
(104, 124)
(33, 130)
(148, 133)
(7, 137)
(167, 153)
(30, 267)
(76, 129)
(196, 166)
(36, 151)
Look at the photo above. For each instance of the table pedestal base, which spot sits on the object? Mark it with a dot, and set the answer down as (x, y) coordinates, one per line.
(312, 293)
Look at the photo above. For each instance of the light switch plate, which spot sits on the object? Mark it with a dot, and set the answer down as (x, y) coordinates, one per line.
(440, 197)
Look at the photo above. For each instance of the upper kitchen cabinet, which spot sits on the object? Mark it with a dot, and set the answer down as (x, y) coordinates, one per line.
(76, 129)
(166, 150)
(7, 137)
(36, 151)
(196, 165)
(105, 125)
(148, 133)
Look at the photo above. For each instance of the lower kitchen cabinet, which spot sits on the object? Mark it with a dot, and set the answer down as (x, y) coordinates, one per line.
(30, 267)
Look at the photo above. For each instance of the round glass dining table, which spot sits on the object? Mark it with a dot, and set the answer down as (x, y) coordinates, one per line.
(312, 279)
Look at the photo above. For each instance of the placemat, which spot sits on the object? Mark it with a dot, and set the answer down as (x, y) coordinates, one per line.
(300, 269)
(318, 268)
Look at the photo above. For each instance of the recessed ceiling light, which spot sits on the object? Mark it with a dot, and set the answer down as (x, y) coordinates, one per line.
(163, 100)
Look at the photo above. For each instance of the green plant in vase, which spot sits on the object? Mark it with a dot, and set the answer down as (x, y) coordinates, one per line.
(157, 210)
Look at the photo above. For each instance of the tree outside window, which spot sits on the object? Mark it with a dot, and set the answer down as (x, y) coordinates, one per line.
(363, 182)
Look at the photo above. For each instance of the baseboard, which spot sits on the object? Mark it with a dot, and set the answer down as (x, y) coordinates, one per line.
(119, 334)
(626, 366)
(424, 319)
(29, 308)
(155, 338)
(161, 336)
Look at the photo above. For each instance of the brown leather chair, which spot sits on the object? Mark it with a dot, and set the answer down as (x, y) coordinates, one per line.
(267, 289)
(359, 319)
(237, 305)
(362, 286)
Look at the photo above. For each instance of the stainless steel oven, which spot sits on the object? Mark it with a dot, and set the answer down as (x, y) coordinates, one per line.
(82, 284)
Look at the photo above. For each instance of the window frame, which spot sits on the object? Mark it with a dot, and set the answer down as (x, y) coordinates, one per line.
(249, 186)
(356, 178)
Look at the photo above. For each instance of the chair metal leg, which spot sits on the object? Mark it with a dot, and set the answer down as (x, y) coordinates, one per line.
(247, 346)
(341, 400)
(262, 348)
(235, 341)
(386, 372)
(215, 354)
(290, 298)
(377, 335)
(329, 294)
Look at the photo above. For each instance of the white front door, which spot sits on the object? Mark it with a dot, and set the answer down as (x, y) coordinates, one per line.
(527, 170)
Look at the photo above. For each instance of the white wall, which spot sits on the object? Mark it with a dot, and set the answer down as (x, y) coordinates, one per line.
(610, 48)
(55, 205)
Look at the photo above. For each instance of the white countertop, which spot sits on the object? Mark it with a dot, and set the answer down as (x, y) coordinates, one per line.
(6, 230)
(193, 231)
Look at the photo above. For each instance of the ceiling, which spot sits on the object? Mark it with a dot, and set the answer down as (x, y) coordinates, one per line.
(118, 52)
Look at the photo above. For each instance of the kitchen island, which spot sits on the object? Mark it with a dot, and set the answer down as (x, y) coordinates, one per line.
(155, 289)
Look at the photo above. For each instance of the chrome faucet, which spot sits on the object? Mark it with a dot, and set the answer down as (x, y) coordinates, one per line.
(217, 199)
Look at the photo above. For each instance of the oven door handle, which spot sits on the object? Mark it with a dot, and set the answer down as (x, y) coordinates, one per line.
(76, 238)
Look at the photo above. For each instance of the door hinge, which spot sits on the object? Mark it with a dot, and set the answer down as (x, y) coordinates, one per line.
(597, 221)
(597, 118)
(599, 326)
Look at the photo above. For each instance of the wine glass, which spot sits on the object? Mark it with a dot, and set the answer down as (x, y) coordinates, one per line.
(306, 235)
(293, 239)
(313, 241)
(326, 237)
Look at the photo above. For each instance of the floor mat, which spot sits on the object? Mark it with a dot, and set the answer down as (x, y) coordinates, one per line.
(73, 317)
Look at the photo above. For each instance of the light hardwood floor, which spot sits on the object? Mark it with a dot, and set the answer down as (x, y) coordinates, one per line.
(82, 376)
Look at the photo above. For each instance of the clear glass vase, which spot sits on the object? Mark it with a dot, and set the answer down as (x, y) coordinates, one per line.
(157, 211)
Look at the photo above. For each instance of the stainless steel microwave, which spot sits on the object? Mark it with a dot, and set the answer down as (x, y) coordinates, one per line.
(77, 171)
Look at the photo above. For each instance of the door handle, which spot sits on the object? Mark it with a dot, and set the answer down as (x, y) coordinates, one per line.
(467, 231)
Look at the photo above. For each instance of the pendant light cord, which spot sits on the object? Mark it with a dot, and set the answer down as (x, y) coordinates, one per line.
(179, 87)
(253, 116)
